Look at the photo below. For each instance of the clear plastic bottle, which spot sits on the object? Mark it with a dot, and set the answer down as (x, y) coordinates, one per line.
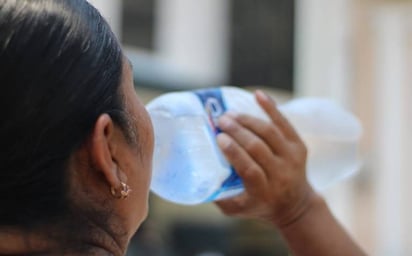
(189, 168)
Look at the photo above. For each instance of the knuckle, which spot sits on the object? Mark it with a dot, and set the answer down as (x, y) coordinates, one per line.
(253, 146)
(251, 172)
(242, 118)
(297, 154)
(231, 126)
(229, 148)
(275, 117)
(268, 130)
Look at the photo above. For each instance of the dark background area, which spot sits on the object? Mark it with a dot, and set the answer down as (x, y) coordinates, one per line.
(261, 39)
(262, 43)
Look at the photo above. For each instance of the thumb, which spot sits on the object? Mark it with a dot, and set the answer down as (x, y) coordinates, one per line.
(233, 206)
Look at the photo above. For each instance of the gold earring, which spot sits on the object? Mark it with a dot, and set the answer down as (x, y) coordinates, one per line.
(124, 191)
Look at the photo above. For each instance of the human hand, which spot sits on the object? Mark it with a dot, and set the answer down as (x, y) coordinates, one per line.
(270, 158)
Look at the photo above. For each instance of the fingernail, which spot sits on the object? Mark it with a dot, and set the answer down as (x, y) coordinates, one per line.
(224, 121)
(264, 96)
(223, 140)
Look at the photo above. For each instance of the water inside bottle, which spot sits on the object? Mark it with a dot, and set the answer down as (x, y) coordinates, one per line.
(188, 167)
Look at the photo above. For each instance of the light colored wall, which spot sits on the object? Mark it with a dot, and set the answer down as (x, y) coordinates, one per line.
(323, 68)
(384, 98)
(360, 53)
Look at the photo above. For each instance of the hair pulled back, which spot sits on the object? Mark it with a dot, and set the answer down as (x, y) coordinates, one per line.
(60, 68)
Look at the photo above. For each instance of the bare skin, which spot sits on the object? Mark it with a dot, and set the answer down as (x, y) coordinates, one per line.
(270, 157)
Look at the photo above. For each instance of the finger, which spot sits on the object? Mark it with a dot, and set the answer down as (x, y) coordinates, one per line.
(269, 105)
(251, 143)
(266, 131)
(233, 206)
(253, 177)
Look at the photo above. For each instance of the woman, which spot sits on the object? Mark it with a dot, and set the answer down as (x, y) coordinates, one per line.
(77, 142)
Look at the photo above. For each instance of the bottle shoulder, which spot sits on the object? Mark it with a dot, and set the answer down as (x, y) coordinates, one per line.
(176, 104)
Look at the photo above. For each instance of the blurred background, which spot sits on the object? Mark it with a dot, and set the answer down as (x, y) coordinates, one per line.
(357, 52)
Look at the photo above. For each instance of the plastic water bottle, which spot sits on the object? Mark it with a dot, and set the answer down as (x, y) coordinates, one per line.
(189, 168)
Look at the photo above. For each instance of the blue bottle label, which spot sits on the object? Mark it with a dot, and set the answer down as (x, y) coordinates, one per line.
(213, 102)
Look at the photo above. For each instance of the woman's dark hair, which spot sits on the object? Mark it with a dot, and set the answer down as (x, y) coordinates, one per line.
(60, 68)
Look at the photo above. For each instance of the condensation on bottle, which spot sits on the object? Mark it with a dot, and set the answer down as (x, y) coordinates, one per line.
(189, 168)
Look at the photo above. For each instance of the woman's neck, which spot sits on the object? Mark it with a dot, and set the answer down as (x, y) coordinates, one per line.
(17, 242)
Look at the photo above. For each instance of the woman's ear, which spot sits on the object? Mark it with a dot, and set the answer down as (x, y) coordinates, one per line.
(103, 146)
